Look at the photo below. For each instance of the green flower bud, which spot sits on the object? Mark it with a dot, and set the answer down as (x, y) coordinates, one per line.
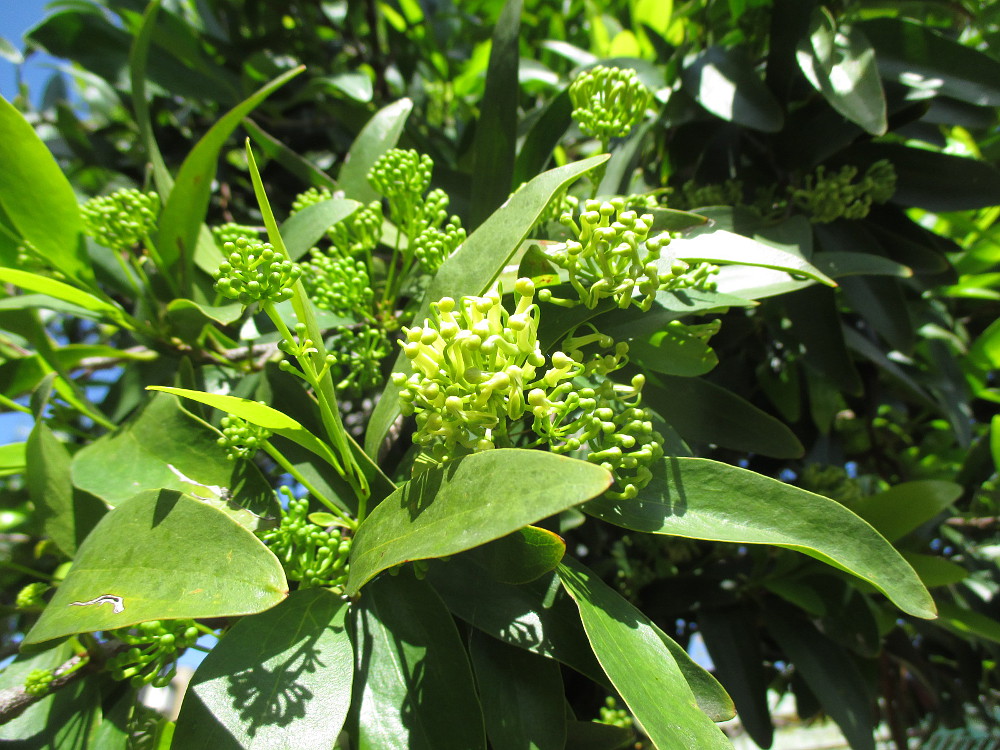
(38, 681)
(254, 272)
(30, 597)
(122, 219)
(608, 102)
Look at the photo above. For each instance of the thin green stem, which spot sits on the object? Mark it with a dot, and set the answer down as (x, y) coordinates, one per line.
(285, 464)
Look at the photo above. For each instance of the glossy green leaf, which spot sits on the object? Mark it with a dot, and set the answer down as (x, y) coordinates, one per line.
(411, 671)
(66, 516)
(281, 678)
(378, 136)
(520, 557)
(469, 501)
(537, 616)
(307, 172)
(722, 247)
(633, 653)
(672, 220)
(815, 323)
(881, 301)
(188, 318)
(542, 138)
(44, 285)
(38, 199)
(702, 499)
(475, 266)
(837, 264)
(184, 211)
(840, 64)
(935, 571)
(916, 55)
(676, 350)
(703, 412)
(522, 695)
(307, 227)
(900, 509)
(162, 555)
(260, 415)
(138, 62)
(138, 457)
(733, 643)
(60, 721)
(830, 673)
(496, 134)
(724, 82)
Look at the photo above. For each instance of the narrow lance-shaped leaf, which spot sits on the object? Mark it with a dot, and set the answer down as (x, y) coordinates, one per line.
(162, 555)
(378, 136)
(260, 415)
(281, 678)
(65, 292)
(185, 209)
(37, 197)
(467, 502)
(476, 265)
(635, 657)
(701, 499)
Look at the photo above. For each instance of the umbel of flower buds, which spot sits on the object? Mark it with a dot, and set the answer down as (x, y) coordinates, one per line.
(121, 219)
(607, 102)
(254, 272)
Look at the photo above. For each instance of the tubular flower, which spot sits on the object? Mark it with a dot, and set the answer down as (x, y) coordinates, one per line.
(254, 272)
(310, 554)
(612, 255)
(608, 102)
(121, 219)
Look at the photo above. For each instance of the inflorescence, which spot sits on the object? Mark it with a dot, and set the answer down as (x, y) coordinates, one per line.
(254, 272)
(608, 102)
(121, 219)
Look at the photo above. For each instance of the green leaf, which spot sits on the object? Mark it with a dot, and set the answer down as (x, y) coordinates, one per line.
(522, 695)
(933, 570)
(701, 499)
(44, 285)
(66, 516)
(633, 653)
(882, 303)
(724, 82)
(733, 642)
(966, 622)
(165, 556)
(830, 673)
(676, 350)
(138, 457)
(542, 138)
(816, 325)
(281, 678)
(305, 228)
(476, 265)
(188, 318)
(138, 62)
(900, 509)
(469, 501)
(378, 136)
(13, 458)
(537, 616)
(840, 64)
(722, 247)
(495, 137)
(917, 56)
(38, 199)
(307, 172)
(260, 415)
(703, 412)
(412, 670)
(184, 211)
(520, 557)
(711, 697)
(837, 264)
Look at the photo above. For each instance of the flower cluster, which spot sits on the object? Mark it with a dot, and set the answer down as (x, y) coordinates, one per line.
(478, 368)
(359, 354)
(240, 438)
(254, 272)
(694, 195)
(612, 714)
(607, 102)
(612, 255)
(310, 554)
(403, 176)
(357, 233)
(152, 656)
(828, 197)
(338, 283)
(231, 232)
(121, 219)
(38, 681)
(433, 245)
